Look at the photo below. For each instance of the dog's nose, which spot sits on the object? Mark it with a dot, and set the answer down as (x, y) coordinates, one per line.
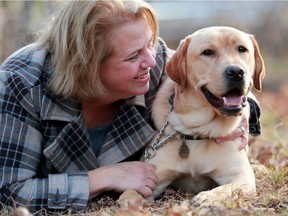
(234, 73)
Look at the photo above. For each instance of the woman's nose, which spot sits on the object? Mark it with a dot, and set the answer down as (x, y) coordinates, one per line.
(149, 59)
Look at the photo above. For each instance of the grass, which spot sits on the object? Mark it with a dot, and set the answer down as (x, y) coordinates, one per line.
(270, 151)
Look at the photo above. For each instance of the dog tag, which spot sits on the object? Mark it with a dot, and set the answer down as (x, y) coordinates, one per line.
(183, 150)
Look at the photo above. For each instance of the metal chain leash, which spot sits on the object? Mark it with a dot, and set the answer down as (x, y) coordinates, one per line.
(150, 151)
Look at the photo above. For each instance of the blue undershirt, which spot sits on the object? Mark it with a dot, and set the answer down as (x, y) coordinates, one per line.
(97, 137)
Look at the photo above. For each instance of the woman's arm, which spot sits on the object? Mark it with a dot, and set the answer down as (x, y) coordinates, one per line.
(21, 158)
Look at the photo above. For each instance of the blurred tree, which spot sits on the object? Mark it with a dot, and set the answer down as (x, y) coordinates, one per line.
(19, 23)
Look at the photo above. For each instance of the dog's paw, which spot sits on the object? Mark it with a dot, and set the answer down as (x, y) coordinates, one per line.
(130, 197)
(205, 198)
(131, 204)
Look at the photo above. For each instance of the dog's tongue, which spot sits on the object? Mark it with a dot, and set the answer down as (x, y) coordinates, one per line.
(232, 100)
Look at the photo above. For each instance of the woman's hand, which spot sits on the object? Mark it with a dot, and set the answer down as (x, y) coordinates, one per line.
(139, 176)
(241, 131)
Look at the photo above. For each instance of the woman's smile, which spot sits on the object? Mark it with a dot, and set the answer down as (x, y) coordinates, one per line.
(144, 77)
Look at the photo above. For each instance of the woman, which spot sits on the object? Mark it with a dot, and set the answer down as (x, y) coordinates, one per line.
(77, 102)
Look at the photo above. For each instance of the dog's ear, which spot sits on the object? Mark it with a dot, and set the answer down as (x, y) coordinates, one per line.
(176, 66)
(259, 65)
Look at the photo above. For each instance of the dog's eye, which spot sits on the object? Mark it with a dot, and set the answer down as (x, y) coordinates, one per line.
(208, 52)
(242, 49)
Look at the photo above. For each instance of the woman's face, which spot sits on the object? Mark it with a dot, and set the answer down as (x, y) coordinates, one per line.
(126, 72)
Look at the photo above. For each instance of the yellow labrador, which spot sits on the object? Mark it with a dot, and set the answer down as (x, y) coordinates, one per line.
(205, 97)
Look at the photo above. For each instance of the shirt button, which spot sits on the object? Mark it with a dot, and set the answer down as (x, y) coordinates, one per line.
(57, 198)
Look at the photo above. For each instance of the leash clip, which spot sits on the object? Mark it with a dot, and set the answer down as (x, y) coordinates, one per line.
(150, 152)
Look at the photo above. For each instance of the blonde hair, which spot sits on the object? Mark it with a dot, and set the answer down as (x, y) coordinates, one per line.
(80, 42)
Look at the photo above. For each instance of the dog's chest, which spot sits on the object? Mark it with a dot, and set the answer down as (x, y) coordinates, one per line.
(204, 156)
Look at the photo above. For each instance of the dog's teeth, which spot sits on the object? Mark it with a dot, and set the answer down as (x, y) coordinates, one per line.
(232, 101)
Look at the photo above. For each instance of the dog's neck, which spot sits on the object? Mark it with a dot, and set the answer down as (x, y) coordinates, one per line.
(191, 116)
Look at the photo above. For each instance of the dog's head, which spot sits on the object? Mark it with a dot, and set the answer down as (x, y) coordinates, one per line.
(222, 64)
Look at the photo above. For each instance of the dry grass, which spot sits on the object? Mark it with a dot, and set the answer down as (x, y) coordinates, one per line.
(270, 149)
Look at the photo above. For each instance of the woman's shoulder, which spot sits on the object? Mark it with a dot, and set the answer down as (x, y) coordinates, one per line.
(27, 63)
(163, 49)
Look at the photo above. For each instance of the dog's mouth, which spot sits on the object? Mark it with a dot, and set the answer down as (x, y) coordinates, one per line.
(231, 103)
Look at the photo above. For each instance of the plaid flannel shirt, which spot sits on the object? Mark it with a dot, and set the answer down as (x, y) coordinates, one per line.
(45, 151)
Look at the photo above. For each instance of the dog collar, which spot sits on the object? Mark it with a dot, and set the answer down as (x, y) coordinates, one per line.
(150, 151)
(189, 137)
(184, 149)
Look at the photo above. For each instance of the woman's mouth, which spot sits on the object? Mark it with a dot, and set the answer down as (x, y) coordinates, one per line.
(142, 77)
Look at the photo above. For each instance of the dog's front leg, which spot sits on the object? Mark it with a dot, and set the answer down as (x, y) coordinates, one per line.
(166, 173)
(212, 197)
(159, 190)
(165, 177)
(131, 196)
(222, 192)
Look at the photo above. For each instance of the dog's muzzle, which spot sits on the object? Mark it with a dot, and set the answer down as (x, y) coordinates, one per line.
(233, 101)
(231, 104)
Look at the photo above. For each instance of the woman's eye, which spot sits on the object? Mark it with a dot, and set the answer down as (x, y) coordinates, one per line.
(242, 49)
(208, 52)
(133, 58)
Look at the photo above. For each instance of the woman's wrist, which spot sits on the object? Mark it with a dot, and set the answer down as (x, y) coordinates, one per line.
(98, 181)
